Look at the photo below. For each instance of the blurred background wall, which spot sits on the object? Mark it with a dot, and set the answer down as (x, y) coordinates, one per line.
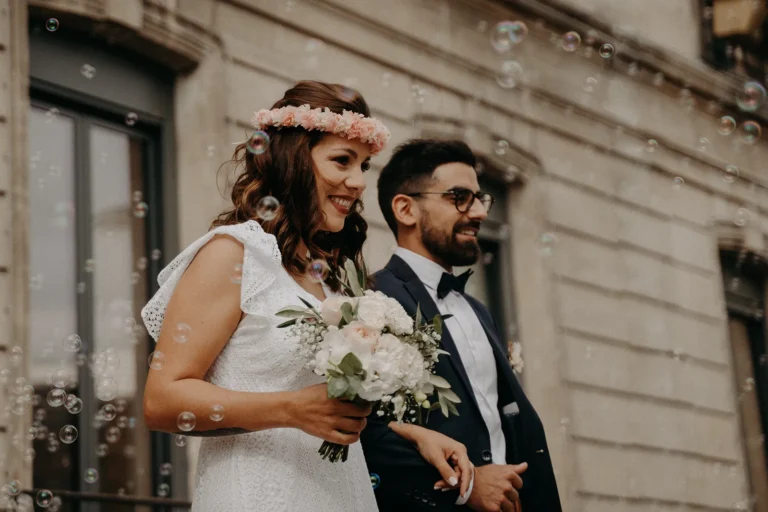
(627, 252)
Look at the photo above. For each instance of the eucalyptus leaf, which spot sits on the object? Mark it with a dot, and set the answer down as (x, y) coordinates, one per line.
(354, 387)
(337, 387)
(443, 404)
(361, 274)
(349, 267)
(291, 313)
(450, 395)
(351, 365)
(311, 308)
(439, 382)
(347, 312)
(286, 324)
(446, 317)
(417, 320)
(437, 324)
(335, 373)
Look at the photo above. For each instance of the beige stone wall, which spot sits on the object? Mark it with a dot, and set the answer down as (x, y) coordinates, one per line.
(623, 327)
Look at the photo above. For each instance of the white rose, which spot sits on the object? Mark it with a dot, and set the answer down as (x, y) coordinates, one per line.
(372, 310)
(330, 309)
(322, 357)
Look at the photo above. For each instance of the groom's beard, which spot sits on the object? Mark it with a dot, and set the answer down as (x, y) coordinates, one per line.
(445, 247)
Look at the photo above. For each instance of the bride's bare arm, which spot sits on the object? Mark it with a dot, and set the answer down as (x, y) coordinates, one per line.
(206, 300)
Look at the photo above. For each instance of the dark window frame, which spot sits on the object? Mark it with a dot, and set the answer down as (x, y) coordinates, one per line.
(160, 194)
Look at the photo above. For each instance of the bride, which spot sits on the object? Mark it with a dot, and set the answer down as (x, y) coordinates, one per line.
(221, 365)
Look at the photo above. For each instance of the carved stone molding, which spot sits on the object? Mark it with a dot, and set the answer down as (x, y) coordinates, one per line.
(143, 27)
(508, 163)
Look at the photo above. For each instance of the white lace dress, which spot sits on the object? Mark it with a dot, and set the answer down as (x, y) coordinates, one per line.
(272, 470)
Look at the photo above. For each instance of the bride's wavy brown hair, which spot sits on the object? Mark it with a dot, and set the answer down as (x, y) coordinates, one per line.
(286, 171)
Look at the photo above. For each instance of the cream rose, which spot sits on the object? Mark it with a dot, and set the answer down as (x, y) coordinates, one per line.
(331, 309)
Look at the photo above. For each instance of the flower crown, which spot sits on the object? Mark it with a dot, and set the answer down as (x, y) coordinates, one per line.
(348, 124)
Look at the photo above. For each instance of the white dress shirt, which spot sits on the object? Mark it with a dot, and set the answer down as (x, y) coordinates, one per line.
(473, 346)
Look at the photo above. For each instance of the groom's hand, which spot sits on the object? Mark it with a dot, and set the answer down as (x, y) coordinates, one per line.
(496, 488)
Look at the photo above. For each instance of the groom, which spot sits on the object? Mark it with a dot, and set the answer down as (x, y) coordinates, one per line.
(430, 197)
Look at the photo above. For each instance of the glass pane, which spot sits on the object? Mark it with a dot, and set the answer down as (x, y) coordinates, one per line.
(53, 296)
(118, 216)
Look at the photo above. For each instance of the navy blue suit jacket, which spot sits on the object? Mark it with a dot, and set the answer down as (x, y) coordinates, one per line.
(406, 480)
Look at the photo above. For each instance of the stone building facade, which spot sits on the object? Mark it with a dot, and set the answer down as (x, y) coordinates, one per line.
(606, 258)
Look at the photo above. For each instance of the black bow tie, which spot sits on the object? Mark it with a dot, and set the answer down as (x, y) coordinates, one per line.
(450, 282)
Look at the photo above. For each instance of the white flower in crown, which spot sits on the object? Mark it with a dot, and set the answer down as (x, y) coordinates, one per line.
(515, 357)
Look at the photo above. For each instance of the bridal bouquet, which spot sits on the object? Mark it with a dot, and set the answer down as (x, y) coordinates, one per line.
(369, 349)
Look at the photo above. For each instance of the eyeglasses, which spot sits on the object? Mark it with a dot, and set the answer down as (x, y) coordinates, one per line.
(463, 198)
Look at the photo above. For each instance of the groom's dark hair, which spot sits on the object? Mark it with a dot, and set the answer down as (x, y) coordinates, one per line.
(411, 167)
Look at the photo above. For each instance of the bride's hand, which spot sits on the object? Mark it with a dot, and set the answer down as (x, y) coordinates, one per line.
(330, 419)
(438, 450)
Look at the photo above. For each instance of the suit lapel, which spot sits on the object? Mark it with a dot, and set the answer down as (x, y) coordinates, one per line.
(429, 309)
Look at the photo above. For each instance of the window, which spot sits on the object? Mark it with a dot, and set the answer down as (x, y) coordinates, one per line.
(735, 35)
(745, 290)
(98, 231)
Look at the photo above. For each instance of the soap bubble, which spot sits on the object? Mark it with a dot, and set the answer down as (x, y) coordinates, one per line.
(88, 71)
(606, 51)
(547, 243)
(571, 41)
(217, 412)
(742, 217)
(180, 440)
(163, 490)
(113, 434)
(56, 397)
(317, 271)
(510, 74)
(186, 421)
(751, 96)
(72, 343)
(750, 132)
(726, 125)
(267, 207)
(109, 412)
(140, 210)
(236, 276)
(258, 143)
(507, 34)
(106, 389)
(102, 449)
(156, 360)
(181, 333)
(131, 118)
(60, 378)
(91, 475)
(52, 25)
(44, 498)
(730, 174)
(166, 468)
(73, 404)
(68, 434)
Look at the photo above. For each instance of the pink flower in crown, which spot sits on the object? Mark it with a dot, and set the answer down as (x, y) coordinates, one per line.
(289, 119)
(344, 123)
(330, 120)
(309, 120)
(367, 131)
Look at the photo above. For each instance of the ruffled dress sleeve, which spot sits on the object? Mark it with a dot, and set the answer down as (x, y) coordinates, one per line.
(261, 263)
